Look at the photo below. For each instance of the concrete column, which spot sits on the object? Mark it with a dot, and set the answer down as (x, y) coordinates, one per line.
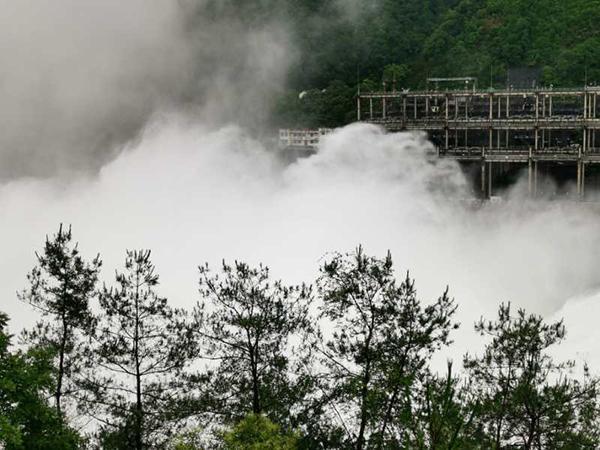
(415, 107)
(371, 108)
(530, 173)
(491, 106)
(358, 108)
(535, 178)
(383, 107)
(447, 106)
(507, 106)
(426, 107)
(483, 178)
(543, 138)
(582, 180)
(550, 106)
(404, 108)
(537, 107)
(490, 193)
(579, 178)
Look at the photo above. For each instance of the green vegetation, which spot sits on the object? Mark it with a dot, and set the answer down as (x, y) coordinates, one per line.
(26, 420)
(262, 365)
(408, 41)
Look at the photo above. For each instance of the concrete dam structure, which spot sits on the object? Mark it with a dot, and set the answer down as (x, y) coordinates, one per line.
(495, 134)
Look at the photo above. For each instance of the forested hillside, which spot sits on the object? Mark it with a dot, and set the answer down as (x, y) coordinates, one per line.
(340, 42)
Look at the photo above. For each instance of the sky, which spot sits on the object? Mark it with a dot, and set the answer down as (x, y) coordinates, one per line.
(134, 124)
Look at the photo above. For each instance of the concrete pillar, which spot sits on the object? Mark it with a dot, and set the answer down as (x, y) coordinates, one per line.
(371, 108)
(404, 108)
(582, 180)
(507, 106)
(530, 173)
(358, 108)
(535, 178)
(579, 178)
(415, 107)
(537, 106)
(383, 107)
(491, 106)
(483, 177)
(490, 193)
(447, 106)
(543, 138)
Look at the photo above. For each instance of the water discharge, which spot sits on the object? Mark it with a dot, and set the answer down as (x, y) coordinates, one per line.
(194, 194)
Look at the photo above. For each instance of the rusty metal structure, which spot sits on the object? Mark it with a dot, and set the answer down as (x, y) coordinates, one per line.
(497, 128)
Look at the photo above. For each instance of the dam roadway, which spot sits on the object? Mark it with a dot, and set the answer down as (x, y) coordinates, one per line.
(529, 128)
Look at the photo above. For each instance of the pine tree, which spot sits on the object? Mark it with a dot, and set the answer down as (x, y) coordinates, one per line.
(380, 347)
(525, 397)
(246, 325)
(61, 286)
(140, 349)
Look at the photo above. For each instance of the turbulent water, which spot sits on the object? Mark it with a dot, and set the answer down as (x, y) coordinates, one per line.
(193, 194)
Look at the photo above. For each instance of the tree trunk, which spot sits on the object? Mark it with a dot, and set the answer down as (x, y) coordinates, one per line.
(256, 409)
(360, 442)
(387, 416)
(61, 366)
(138, 377)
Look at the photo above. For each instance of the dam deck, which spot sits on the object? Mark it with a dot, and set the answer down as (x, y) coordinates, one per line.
(517, 126)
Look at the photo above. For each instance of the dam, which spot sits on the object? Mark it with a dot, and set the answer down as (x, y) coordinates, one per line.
(493, 133)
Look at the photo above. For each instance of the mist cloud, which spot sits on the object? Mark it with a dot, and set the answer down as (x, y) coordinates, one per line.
(194, 194)
(80, 79)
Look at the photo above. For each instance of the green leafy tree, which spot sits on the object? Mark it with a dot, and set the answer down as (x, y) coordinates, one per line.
(140, 349)
(526, 399)
(61, 286)
(27, 422)
(394, 75)
(246, 325)
(380, 348)
(257, 432)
